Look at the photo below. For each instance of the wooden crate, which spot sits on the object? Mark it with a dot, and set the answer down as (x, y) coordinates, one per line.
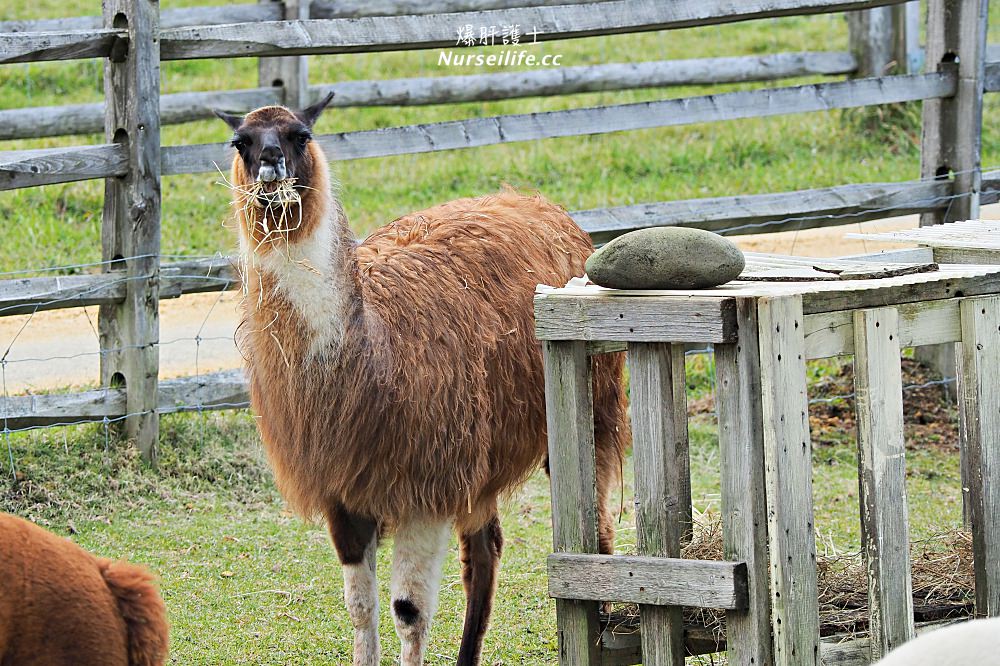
(763, 334)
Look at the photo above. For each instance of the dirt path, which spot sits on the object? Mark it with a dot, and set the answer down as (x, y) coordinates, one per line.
(59, 348)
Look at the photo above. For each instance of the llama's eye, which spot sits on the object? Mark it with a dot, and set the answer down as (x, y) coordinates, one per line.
(302, 139)
(238, 143)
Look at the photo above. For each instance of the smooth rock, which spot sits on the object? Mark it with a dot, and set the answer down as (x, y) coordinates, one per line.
(666, 258)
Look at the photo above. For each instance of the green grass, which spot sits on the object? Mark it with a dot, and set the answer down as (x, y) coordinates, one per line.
(59, 224)
(212, 510)
(246, 582)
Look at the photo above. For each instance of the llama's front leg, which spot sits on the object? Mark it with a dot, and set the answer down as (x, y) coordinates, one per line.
(356, 541)
(416, 579)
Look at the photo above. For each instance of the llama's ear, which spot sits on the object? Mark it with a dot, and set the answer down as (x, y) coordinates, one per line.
(310, 114)
(230, 119)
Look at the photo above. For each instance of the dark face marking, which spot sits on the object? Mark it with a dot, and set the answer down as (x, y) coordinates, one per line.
(406, 611)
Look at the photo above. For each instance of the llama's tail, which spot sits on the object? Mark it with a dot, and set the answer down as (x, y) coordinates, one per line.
(142, 608)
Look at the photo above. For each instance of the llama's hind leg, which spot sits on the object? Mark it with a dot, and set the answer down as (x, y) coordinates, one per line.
(417, 557)
(480, 559)
(356, 540)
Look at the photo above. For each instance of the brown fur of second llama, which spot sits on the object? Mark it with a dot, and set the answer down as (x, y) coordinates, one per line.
(397, 382)
(62, 606)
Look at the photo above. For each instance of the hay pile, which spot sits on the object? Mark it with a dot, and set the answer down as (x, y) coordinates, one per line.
(942, 575)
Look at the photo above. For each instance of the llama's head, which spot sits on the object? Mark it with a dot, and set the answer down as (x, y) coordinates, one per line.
(277, 169)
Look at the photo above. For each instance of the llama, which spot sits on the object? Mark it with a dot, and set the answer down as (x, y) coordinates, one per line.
(62, 606)
(397, 382)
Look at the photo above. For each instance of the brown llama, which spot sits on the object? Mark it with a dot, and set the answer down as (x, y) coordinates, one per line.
(398, 382)
(62, 606)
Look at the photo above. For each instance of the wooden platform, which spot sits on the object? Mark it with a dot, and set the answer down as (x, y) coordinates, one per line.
(972, 241)
(763, 331)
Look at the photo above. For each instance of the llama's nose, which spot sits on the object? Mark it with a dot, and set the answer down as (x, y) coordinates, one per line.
(271, 155)
(272, 163)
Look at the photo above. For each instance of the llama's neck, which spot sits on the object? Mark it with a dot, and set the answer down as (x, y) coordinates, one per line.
(312, 275)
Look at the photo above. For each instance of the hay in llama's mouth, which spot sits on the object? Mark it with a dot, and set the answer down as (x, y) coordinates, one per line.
(275, 194)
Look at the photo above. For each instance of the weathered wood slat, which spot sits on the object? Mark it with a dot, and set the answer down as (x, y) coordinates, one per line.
(657, 581)
(595, 120)
(768, 213)
(905, 292)
(924, 323)
(980, 404)
(328, 9)
(71, 45)
(659, 453)
(290, 74)
(26, 295)
(635, 319)
(169, 18)
(951, 140)
(45, 166)
(130, 224)
(572, 472)
(89, 118)
(218, 390)
(184, 107)
(366, 34)
(788, 476)
(744, 503)
(885, 535)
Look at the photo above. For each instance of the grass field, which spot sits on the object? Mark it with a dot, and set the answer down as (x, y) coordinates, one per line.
(245, 582)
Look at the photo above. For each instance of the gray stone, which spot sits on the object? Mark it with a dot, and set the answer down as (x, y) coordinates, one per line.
(666, 258)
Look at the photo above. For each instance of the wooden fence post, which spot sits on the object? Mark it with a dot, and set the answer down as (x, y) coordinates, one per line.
(872, 41)
(569, 410)
(130, 230)
(290, 73)
(662, 484)
(952, 141)
(744, 501)
(788, 476)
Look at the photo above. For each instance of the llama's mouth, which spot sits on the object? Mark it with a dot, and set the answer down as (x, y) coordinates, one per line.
(278, 193)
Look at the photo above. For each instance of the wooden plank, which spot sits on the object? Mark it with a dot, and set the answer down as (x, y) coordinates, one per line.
(35, 294)
(655, 581)
(872, 40)
(583, 78)
(46, 166)
(404, 33)
(913, 292)
(184, 107)
(569, 413)
(288, 73)
(169, 18)
(678, 375)
(980, 404)
(954, 255)
(328, 9)
(495, 130)
(952, 126)
(131, 221)
(635, 319)
(788, 476)
(922, 323)
(770, 213)
(89, 118)
(744, 502)
(71, 45)
(657, 449)
(211, 391)
(885, 534)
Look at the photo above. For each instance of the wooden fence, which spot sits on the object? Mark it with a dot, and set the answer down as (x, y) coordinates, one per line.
(133, 38)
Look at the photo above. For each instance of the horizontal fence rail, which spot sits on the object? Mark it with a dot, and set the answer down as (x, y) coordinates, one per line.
(216, 390)
(184, 107)
(29, 168)
(404, 33)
